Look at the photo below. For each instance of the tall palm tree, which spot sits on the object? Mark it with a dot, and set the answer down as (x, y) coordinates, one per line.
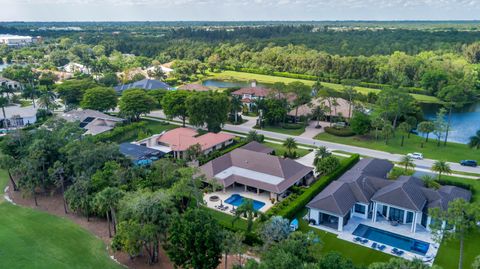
(290, 144)
(236, 104)
(3, 103)
(319, 112)
(320, 153)
(407, 162)
(47, 99)
(441, 167)
(246, 209)
(475, 140)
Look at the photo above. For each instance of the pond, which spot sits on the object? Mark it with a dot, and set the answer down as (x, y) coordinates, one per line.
(464, 123)
(3, 66)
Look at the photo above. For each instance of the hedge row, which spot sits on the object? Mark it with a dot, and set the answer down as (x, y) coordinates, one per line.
(343, 132)
(123, 132)
(285, 74)
(217, 153)
(384, 86)
(293, 204)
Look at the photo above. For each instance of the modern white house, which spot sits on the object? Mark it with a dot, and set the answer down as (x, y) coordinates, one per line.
(15, 40)
(17, 116)
(365, 192)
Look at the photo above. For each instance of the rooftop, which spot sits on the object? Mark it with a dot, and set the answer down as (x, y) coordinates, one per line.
(146, 84)
(180, 139)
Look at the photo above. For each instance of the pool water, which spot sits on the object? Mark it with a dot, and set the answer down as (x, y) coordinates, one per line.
(238, 200)
(392, 239)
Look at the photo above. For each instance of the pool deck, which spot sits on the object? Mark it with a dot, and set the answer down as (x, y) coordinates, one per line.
(262, 197)
(421, 234)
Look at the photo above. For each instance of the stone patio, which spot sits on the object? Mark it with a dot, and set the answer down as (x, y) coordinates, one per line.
(262, 197)
(421, 234)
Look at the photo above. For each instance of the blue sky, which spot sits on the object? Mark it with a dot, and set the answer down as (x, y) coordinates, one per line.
(230, 10)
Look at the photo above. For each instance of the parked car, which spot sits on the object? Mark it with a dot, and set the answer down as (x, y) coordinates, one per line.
(471, 163)
(415, 155)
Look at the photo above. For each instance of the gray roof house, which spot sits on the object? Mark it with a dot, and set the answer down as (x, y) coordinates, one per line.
(94, 122)
(140, 155)
(365, 192)
(257, 170)
(146, 84)
(17, 116)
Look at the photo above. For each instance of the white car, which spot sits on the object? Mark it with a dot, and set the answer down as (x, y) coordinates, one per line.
(415, 155)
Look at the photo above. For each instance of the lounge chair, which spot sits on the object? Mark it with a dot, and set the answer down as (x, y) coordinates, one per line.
(394, 250)
(400, 252)
(374, 245)
(357, 239)
(364, 241)
(381, 247)
(428, 258)
(225, 208)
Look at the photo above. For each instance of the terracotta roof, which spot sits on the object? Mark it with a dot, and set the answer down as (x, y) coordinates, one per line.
(180, 139)
(194, 87)
(307, 109)
(255, 91)
(255, 169)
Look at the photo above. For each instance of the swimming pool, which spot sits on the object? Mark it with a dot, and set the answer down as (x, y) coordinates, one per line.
(237, 200)
(392, 239)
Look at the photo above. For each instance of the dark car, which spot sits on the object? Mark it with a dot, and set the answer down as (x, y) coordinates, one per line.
(469, 163)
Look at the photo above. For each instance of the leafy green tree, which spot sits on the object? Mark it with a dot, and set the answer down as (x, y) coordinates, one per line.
(158, 95)
(290, 144)
(474, 141)
(79, 197)
(327, 165)
(377, 123)
(110, 175)
(404, 129)
(351, 94)
(46, 99)
(472, 53)
(71, 91)
(208, 108)
(194, 240)
(174, 104)
(360, 123)
(194, 152)
(407, 162)
(8, 163)
(319, 113)
(461, 215)
(426, 127)
(254, 136)
(275, 230)
(440, 125)
(387, 131)
(396, 263)
(476, 263)
(454, 96)
(441, 167)
(246, 209)
(334, 260)
(321, 153)
(157, 73)
(135, 102)
(232, 243)
(301, 92)
(99, 98)
(4, 102)
(394, 103)
(275, 111)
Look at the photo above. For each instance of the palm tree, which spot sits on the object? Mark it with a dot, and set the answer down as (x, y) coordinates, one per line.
(407, 161)
(46, 99)
(3, 103)
(475, 140)
(404, 128)
(319, 112)
(290, 144)
(236, 104)
(246, 209)
(106, 202)
(320, 153)
(351, 94)
(8, 163)
(441, 167)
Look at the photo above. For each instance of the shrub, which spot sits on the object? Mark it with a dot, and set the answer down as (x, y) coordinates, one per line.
(343, 132)
(217, 153)
(292, 126)
(290, 206)
(124, 132)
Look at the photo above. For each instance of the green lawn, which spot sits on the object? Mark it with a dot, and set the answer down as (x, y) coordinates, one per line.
(453, 152)
(226, 220)
(242, 76)
(279, 129)
(448, 253)
(34, 239)
(156, 127)
(280, 149)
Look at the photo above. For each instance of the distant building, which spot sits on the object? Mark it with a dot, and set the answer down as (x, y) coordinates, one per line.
(340, 108)
(249, 95)
(12, 84)
(15, 40)
(94, 122)
(76, 68)
(140, 155)
(17, 116)
(179, 140)
(146, 84)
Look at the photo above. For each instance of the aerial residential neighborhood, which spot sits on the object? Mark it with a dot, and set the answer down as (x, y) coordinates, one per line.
(240, 134)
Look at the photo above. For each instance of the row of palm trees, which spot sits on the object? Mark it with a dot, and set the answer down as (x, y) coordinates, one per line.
(440, 167)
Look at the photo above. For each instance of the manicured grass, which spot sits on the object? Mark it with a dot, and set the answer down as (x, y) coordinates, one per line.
(241, 76)
(360, 255)
(448, 254)
(225, 220)
(156, 127)
(280, 149)
(453, 152)
(34, 239)
(279, 129)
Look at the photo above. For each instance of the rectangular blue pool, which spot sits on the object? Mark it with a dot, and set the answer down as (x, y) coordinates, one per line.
(392, 239)
(237, 200)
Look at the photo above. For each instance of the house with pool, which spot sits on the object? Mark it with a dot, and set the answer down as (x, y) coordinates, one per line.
(364, 205)
(251, 172)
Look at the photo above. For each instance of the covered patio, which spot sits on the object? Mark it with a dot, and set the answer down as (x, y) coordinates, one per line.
(263, 197)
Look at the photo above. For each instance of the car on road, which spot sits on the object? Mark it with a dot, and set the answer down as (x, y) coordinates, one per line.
(415, 155)
(471, 163)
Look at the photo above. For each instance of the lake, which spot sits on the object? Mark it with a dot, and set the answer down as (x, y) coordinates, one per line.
(464, 123)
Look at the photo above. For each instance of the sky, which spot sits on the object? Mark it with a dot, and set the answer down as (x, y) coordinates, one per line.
(237, 10)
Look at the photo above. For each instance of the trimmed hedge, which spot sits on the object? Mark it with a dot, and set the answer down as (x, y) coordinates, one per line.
(217, 153)
(294, 203)
(293, 126)
(343, 132)
(123, 132)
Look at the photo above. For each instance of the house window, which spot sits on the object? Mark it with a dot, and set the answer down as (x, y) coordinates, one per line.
(359, 209)
(409, 217)
(396, 214)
